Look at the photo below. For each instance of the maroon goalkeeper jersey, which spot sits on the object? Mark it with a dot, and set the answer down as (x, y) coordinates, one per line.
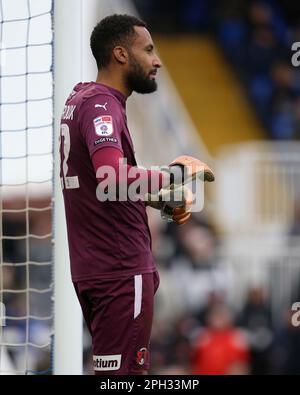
(106, 239)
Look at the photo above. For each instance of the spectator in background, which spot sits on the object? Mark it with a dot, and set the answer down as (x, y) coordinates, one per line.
(285, 91)
(221, 348)
(196, 271)
(198, 242)
(285, 356)
(171, 346)
(232, 33)
(214, 299)
(255, 318)
(295, 227)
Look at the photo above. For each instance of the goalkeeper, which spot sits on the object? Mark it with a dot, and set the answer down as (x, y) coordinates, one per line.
(112, 266)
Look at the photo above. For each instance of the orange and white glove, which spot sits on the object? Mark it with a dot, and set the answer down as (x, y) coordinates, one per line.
(177, 207)
(192, 168)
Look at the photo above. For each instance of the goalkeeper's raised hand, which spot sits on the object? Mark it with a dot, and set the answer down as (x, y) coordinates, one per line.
(175, 199)
(191, 168)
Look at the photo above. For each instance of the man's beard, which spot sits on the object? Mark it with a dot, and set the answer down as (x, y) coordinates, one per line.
(137, 80)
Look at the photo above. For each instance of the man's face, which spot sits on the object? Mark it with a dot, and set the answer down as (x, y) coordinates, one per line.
(143, 63)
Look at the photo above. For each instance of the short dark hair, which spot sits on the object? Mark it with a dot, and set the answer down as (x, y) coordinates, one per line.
(111, 31)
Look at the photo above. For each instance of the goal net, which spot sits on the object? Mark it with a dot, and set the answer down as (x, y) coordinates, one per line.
(26, 162)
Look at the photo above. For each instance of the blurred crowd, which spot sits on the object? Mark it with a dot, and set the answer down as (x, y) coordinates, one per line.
(258, 40)
(256, 37)
(200, 327)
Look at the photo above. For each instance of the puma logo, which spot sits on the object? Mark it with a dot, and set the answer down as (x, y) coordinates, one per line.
(101, 106)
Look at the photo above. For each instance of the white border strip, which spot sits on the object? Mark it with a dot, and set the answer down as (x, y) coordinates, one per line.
(138, 287)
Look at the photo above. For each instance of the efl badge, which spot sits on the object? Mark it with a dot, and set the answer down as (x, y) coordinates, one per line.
(103, 125)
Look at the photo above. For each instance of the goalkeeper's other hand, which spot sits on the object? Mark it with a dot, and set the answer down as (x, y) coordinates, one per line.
(181, 215)
(174, 210)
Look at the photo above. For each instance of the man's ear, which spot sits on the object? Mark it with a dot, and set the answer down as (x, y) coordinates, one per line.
(120, 54)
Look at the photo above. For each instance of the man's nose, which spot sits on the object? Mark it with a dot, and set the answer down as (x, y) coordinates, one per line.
(157, 62)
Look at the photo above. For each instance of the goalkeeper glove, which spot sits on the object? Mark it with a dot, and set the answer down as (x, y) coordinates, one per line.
(184, 169)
